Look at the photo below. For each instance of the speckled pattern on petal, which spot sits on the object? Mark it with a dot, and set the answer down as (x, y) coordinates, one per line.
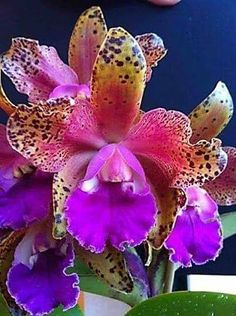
(154, 50)
(50, 134)
(223, 188)
(35, 70)
(88, 34)
(109, 266)
(211, 116)
(117, 83)
(163, 136)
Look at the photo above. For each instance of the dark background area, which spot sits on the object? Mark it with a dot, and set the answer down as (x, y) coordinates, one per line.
(201, 40)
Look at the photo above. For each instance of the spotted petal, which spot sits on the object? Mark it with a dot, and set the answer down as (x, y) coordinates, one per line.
(153, 49)
(117, 83)
(64, 183)
(49, 135)
(197, 234)
(210, 117)
(109, 266)
(163, 136)
(88, 34)
(169, 202)
(35, 70)
(223, 188)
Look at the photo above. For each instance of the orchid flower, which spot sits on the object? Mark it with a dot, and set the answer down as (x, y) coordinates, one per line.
(120, 176)
(117, 171)
(196, 236)
(25, 199)
(21, 183)
(39, 72)
(25, 235)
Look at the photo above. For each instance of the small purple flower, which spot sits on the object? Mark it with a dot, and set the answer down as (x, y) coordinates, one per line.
(196, 235)
(38, 280)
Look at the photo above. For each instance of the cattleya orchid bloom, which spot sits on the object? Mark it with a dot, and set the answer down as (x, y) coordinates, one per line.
(199, 218)
(25, 199)
(25, 235)
(39, 72)
(116, 169)
(120, 176)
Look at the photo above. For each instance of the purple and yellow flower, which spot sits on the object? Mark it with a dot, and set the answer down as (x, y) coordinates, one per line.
(196, 236)
(25, 191)
(113, 164)
(120, 176)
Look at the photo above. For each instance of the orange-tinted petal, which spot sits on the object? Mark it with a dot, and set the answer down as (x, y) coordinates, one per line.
(223, 188)
(210, 117)
(169, 201)
(163, 136)
(88, 34)
(153, 49)
(64, 183)
(5, 104)
(109, 266)
(50, 134)
(117, 84)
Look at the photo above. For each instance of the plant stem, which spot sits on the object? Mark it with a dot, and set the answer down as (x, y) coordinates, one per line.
(157, 271)
(169, 277)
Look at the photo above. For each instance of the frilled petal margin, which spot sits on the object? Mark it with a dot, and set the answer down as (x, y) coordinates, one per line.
(163, 136)
(196, 235)
(110, 214)
(40, 289)
(26, 201)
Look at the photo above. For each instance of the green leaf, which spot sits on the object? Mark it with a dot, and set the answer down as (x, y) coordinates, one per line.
(228, 221)
(71, 312)
(3, 307)
(186, 304)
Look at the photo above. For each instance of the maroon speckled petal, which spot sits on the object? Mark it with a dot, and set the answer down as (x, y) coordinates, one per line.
(223, 188)
(35, 70)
